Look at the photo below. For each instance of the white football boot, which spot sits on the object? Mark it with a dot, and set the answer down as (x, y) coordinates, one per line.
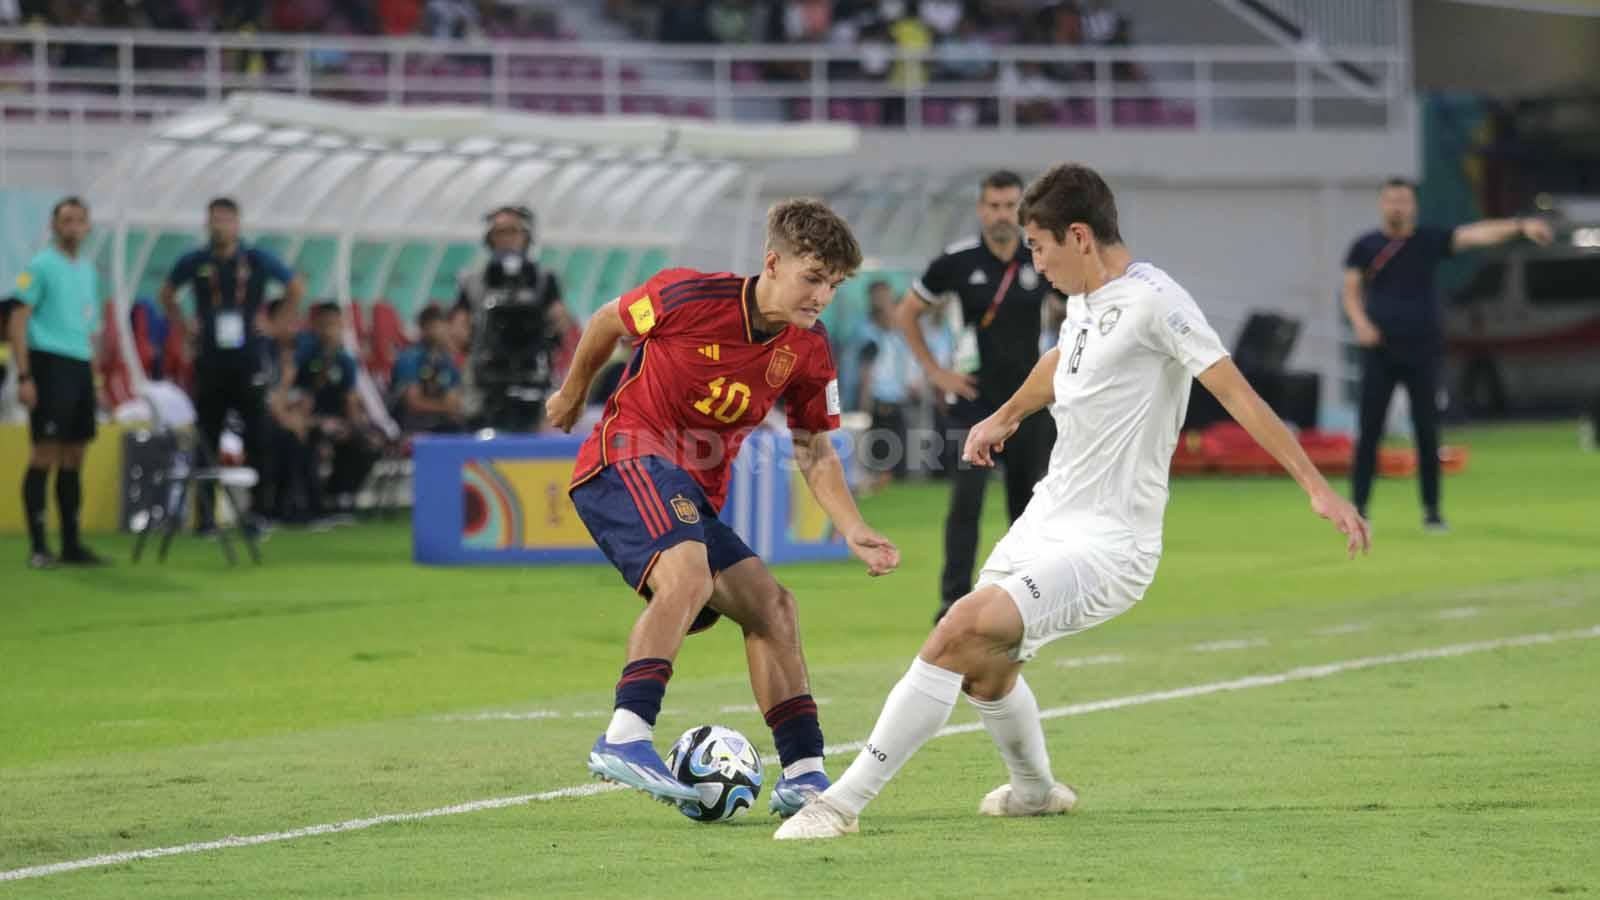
(1001, 802)
(817, 819)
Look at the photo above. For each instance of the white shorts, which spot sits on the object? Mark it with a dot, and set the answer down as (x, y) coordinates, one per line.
(1062, 587)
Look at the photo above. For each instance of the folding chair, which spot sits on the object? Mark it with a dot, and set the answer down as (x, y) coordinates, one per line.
(191, 461)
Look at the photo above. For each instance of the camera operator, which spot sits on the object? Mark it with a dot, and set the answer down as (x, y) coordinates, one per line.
(516, 314)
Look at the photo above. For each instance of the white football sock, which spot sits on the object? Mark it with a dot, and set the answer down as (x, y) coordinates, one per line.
(916, 709)
(627, 726)
(1013, 722)
(802, 766)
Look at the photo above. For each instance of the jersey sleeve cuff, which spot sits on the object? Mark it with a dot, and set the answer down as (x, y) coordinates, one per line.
(923, 293)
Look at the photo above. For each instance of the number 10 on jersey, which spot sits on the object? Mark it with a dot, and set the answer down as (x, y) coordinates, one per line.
(738, 393)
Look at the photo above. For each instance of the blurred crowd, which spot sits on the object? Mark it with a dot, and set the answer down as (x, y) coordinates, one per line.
(393, 18)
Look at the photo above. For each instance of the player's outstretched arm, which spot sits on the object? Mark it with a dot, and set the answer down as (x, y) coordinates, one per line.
(813, 453)
(1225, 382)
(600, 337)
(989, 436)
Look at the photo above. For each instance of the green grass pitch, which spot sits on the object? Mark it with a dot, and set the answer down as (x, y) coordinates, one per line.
(164, 706)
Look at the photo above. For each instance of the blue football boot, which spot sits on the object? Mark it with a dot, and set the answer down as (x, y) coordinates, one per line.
(790, 794)
(636, 764)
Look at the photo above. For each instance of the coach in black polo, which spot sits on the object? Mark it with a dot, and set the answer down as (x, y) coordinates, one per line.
(1389, 297)
(229, 280)
(1002, 303)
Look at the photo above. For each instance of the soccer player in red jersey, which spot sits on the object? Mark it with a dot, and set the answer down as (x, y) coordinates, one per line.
(712, 354)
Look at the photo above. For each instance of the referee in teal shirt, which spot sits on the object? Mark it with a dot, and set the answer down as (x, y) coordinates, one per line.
(52, 340)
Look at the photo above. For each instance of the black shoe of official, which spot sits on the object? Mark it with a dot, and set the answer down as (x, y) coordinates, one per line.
(1433, 523)
(205, 530)
(40, 559)
(83, 557)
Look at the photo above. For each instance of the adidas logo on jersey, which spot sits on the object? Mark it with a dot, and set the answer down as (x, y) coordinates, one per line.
(712, 351)
(977, 277)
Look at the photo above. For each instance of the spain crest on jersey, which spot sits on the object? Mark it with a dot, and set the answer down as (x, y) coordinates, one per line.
(781, 366)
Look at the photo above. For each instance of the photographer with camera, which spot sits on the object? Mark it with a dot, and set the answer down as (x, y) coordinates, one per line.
(516, 319)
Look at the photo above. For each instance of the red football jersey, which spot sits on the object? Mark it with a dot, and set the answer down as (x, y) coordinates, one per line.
(701, 379)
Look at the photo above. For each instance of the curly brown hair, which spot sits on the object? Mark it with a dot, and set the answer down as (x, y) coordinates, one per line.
(807, 227)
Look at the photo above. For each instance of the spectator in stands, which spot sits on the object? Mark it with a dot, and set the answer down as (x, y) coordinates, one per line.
(456, 19)
(889, 387)
(326, 371)
(1103, 26)
(228, 279)
(426, 383)
(684, 22)
(296, 494)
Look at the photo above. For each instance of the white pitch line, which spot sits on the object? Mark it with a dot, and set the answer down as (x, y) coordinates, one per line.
(1336, 630)
(1464, 612)
(1301, 673)
(501, 716)
(1078, 662)
(1220, 646)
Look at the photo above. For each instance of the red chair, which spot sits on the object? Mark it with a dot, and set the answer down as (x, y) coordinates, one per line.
(113, 369)
(387, 340)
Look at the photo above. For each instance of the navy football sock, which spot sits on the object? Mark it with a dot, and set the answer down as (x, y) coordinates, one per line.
(643, 684)
(795, 729)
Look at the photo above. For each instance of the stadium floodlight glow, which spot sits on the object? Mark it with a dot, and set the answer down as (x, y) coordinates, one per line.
(1586, 237)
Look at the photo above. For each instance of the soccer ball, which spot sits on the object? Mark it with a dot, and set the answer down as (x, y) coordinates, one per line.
(723, 766)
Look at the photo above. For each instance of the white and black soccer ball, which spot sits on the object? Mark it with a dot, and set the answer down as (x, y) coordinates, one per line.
(723, 766)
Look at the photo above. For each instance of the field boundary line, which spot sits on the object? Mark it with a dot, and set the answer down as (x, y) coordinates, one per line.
(1299, 673)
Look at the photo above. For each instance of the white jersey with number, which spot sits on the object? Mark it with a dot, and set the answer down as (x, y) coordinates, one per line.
(1088, 544)
(1128, 353)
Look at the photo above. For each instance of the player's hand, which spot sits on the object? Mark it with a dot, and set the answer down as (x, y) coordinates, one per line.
(988, 438)
(1339, 511)
(949, 382)
(28, 393)
(562, 411)
(1367, 334)
(1538, 231)
(872, 548)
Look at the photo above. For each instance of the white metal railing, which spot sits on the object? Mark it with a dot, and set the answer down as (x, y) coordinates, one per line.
(133, 76)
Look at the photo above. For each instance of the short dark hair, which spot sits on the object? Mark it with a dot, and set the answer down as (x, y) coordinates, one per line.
(460, 307)
(64, 202)
(1398, 182)
(879, 283)
(807, 227)
(325, 307)
(1070, 193)
(275, 305)
(429, 315)
(999, 180)
(226, 203)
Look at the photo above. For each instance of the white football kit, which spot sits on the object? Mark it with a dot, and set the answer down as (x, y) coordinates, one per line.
(1087, 546)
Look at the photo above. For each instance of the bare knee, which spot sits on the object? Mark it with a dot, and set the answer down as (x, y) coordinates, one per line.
(975, 638)
(71, 456)
(777, 617)
(686, 589)
(45, 455)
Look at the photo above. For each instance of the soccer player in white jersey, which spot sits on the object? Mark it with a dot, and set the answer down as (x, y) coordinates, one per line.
(1087, 546)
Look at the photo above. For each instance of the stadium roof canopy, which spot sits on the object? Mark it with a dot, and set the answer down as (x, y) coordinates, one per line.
(403, 176)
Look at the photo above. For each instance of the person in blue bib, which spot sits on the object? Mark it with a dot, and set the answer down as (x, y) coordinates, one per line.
(425, 384)
(1389, 298)
(229, 280)
(52, 345)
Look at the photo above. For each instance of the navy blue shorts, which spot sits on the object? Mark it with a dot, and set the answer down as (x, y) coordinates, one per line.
(637, 509)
